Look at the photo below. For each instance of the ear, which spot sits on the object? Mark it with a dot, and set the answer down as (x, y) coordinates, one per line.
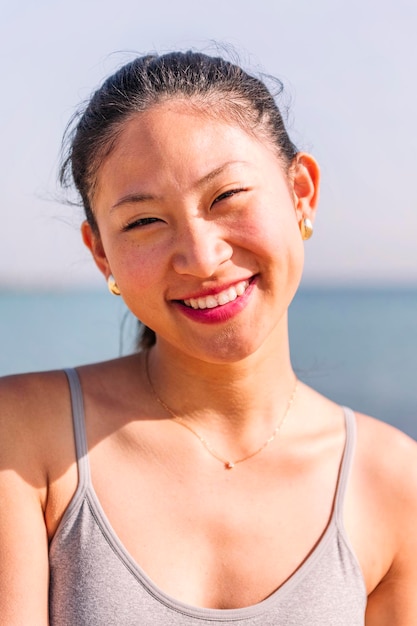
(305, 176)
(92, 240)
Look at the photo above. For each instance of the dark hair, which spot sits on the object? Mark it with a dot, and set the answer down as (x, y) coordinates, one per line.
(210, 83)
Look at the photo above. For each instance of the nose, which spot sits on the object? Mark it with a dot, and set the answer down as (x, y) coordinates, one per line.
(200, 248)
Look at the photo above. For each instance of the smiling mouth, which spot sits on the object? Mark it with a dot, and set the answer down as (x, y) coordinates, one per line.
(219, 299)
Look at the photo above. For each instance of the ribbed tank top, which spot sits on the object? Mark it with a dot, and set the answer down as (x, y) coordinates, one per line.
(94, 581)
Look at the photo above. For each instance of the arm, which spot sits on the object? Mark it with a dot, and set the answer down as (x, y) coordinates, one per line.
(394, 601)
(23, 537)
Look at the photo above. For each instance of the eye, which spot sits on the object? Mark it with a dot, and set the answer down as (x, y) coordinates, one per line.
(140, 223)
(228, 194)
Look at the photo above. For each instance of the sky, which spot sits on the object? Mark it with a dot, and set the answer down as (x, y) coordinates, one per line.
(349, 70)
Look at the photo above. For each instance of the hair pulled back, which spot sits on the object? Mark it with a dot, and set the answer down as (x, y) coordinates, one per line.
(209, 83)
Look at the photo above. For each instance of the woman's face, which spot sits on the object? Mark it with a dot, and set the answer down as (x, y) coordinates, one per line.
(199, 226)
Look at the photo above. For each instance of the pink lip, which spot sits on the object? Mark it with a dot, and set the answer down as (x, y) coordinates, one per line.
(219, 313)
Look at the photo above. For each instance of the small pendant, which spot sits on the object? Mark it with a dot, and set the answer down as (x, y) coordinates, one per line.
(229, 465)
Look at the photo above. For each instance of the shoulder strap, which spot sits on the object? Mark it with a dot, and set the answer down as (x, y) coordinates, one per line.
(347, 460)
(78, 419)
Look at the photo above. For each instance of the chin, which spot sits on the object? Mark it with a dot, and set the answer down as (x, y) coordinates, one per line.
(226, 348)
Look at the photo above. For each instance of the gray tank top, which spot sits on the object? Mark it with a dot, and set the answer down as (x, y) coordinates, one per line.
(94, 581)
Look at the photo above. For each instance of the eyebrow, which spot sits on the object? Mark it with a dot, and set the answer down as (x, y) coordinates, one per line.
(219, 170)
(144, 197)
(133, 198)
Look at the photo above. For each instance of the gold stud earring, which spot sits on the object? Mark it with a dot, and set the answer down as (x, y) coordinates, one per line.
(306, 228)
(112, 285)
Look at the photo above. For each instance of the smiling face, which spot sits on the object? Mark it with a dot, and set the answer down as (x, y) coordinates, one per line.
(198, 224)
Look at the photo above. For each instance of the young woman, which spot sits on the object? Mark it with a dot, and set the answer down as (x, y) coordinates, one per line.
(198, 481)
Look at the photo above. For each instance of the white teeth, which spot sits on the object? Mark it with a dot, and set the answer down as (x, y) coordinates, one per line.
(232, 294)
(211, 302)
(228, 295)
(223, 298)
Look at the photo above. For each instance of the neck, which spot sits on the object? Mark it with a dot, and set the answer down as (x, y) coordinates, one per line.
(230, 397)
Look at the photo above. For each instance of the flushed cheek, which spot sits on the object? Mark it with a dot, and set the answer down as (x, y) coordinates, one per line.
(138, 271)
(281, 262)
(278, 241)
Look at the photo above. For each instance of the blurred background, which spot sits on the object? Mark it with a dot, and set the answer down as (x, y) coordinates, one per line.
(350, 91)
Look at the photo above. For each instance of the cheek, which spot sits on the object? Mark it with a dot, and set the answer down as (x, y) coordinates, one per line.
(136, 267)
(142, 285)
(272, 233)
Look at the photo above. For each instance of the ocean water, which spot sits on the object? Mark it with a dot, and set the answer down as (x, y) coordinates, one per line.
(358, 347)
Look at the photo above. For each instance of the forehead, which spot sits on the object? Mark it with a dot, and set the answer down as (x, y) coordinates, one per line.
(177, 136)
(181, 124)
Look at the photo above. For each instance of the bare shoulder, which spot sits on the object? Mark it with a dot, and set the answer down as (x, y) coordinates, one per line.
(33, 411)
(25, 397)
(386, 478)
(387, 472)
(389, 457)
(32, 408)
(19, 390)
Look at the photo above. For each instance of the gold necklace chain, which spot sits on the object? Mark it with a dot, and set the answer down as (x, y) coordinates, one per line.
(179, 420)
